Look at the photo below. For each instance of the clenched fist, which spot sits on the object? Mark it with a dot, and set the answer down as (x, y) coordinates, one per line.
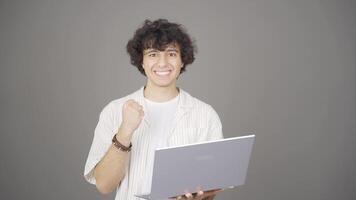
(132, 115)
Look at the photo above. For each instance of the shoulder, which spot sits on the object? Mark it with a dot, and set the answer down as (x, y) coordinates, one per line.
(203, 116)
(196, 104)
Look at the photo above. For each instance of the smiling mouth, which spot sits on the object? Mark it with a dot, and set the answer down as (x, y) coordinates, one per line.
(162, 73)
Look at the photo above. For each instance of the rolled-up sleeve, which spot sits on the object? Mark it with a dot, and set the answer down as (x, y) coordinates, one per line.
(101, 142)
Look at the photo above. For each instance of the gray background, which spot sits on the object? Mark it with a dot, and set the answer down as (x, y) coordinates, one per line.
(284, 69)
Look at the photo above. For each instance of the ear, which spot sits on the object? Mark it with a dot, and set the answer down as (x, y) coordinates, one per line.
(144, 70)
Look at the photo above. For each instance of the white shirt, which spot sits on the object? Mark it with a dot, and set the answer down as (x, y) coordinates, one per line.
(161, 115)
(194, 121)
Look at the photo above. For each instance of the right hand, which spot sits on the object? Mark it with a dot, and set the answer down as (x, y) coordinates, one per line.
(132, 115)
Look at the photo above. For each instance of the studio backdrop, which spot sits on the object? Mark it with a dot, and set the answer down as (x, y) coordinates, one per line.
(283, 69)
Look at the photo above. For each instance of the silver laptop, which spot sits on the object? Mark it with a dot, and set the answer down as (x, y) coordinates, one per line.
(203, 166)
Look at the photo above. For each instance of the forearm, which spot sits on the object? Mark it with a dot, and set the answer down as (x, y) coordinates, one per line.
(111, 169)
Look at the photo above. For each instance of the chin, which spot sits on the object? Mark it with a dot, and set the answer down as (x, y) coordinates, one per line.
(163, 84)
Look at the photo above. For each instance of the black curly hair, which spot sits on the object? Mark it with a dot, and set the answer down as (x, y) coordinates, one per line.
(159, 34)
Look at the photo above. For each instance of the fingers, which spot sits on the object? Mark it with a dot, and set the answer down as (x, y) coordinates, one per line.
(134, 104)
(189, 196)
(200, 195)
(132, 115)
(186, 196)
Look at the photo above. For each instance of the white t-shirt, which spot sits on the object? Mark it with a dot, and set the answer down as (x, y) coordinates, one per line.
(161, 115)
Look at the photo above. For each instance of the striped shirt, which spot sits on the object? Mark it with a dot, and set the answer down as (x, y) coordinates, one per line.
(194, 121)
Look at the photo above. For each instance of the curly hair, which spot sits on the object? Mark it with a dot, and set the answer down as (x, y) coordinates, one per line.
(158, 35)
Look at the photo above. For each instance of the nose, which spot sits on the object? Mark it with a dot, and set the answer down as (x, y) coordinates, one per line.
(162, 61)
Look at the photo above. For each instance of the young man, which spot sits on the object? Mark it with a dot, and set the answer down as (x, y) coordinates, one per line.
(158, 115)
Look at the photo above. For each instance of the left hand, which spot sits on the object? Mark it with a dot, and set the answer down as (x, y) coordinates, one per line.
(200, 195)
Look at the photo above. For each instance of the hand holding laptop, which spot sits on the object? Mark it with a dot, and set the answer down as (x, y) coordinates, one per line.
(212, 164)
(200, 195)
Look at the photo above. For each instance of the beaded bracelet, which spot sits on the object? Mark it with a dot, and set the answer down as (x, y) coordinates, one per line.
(120, 146)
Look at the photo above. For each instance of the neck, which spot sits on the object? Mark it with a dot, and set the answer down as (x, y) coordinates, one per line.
(160, 94)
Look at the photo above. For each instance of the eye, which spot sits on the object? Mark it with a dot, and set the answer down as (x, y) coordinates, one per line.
(152, 55)
(172, 54)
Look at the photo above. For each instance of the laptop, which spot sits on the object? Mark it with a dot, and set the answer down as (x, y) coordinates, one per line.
(219, 164)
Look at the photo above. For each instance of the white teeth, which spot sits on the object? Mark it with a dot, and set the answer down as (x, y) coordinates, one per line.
(162, 73)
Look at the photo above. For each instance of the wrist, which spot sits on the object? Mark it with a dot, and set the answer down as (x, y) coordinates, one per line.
(126, 129)
(124, 135)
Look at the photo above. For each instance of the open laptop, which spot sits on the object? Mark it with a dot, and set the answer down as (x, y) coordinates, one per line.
(203, 166)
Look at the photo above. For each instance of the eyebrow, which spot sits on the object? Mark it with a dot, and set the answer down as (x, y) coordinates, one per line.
(150, 51)
(171, 49)
(155, 50)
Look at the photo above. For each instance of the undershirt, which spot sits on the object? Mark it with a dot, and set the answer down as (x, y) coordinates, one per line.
(160, 116)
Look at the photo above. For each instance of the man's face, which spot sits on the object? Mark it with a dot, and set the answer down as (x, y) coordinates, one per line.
(162, 68)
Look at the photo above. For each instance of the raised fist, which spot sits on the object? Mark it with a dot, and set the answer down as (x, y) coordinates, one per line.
(132, 115)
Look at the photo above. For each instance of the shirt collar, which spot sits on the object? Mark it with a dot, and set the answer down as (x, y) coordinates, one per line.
(184, 103)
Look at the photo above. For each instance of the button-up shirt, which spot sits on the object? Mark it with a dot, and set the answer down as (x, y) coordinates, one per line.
(194, 121)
